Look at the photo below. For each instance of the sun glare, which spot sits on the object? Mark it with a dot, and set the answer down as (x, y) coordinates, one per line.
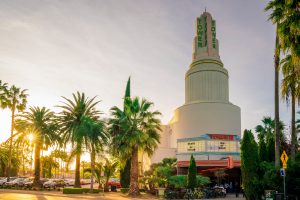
(30, 137)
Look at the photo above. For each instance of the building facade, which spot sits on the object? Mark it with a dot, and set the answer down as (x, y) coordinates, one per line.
(208, 125)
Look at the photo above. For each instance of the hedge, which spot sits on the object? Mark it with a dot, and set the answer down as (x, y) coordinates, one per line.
(124, 190)
(72, 191)
(79, 190)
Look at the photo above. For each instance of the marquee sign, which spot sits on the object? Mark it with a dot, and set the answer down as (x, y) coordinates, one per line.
(221, 137)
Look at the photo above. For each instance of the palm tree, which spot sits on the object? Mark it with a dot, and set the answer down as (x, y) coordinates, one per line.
(109, 169)
(97, 138)
(15, 99)
(71, 117)
(3, 91)
(41, 123)
(290, 91)
(266, 134)
(289, 31)
(135, 128)
(277, 8)
(98, 171)
(4, 154)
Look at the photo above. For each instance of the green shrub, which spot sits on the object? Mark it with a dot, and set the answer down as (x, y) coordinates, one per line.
(180, 181)
(125, 190)
(73, 190)
(79, 190)
(192, 174)
(142, 190)
(85, 190)
(97, 190)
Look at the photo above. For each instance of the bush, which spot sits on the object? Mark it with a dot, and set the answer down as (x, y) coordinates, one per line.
(125, 190)
(192, 174)
(142, 190)
(97, 190)
(180, 181)
(72, 190)
(79, 190)
(85, 190)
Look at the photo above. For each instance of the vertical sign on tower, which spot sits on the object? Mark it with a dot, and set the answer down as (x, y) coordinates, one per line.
(199, 32)
(213, 31)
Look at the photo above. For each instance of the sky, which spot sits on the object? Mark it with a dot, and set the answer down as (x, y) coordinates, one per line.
(54, 48)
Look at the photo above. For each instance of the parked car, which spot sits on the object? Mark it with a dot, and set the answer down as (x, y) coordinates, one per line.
(15, 182)
(114, 182)
(54, 183)
(4, 180)
(69, 182)
(85, 181)
(30, 183)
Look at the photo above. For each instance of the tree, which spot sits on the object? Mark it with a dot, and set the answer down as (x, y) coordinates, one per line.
(132, 129)
(4, 154)
(70, 119)
(98, 171)
(289, 30)
(266, 136)
(125, 164)
(125, 175)
(62, 155)
(249, 165)
(41, 123)
(290, 91)
(277, 9)
(14, 99)
(109, 169)
(3, 92)
(97, 138)
(192, 173)
(293, 176)
(48, 164)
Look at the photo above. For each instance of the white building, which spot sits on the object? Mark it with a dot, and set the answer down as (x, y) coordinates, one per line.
(208, 125)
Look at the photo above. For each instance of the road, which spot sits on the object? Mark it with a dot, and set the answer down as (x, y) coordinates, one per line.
(53, 195)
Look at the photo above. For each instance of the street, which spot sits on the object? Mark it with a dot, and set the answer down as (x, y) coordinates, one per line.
(41, 195)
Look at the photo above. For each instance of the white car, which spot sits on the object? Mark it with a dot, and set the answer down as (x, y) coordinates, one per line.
(15, 182)
(54, 183)
(4, 180)
(69, 182)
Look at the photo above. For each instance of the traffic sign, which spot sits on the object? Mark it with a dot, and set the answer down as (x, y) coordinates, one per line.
(284, 158)
(284, 165)
(282, 172)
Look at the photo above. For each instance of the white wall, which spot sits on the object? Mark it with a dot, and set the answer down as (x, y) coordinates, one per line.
(193, 120)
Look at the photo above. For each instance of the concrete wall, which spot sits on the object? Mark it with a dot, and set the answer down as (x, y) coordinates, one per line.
(162, 153)
(193, 120)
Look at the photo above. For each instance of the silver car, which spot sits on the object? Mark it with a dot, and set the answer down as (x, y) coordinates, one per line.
(15, 182)
(4, 180)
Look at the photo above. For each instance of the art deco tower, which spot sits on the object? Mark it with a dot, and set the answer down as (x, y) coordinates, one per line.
(207, 109)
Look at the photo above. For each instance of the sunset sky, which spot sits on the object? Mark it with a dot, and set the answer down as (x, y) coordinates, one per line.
(54, 48)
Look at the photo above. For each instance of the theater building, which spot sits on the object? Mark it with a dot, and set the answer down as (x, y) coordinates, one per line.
(207, 125)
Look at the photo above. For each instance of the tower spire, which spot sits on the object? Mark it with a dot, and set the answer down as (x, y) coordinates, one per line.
(205, 42)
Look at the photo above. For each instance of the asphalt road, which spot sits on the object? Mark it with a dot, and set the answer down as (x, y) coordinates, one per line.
(40, 195)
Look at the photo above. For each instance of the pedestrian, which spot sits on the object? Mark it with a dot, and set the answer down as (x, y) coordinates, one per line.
(237, 189)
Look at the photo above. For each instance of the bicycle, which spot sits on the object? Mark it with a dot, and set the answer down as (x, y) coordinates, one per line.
(189, 194)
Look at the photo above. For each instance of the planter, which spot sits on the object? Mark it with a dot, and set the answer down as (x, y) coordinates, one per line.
(161, 192)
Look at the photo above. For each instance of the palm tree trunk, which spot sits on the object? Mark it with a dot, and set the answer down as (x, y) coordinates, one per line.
(77, 172)
(10, 142)
(23, 160)
(293, 136)
(92, 167)
(37, 165)
(276, 69)
(134, 174)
